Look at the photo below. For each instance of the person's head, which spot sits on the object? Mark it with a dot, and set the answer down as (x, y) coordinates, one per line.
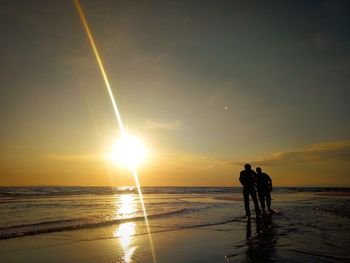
(258, 170)
(247, 166)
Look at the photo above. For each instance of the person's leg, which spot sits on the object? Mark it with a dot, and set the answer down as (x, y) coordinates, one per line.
(268, 200)
(261, 195)
(255, 200)
(246, 202)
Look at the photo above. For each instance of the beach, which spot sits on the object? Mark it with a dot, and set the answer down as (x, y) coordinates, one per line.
(186, 224)
(130, 128)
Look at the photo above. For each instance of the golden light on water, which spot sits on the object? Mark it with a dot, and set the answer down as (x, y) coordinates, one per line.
(117, 113)
(127, 205)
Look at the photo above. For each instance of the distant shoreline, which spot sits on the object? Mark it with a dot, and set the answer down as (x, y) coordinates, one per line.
(347, 188)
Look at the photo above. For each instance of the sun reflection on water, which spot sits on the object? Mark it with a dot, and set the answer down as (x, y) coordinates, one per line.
(125, 208)
(126, 205)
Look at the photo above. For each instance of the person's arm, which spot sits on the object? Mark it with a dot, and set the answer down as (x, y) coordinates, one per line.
(241, 179)
(255, 176)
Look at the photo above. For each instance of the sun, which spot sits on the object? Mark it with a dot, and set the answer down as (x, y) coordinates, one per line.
(128, 152)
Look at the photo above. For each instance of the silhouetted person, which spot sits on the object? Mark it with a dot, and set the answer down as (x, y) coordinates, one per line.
(248, 180)
(264, 186)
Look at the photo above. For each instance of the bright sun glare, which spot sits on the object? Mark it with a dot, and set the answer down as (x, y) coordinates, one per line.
(128, 152)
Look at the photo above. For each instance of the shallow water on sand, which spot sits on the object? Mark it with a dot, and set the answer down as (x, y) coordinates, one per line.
(314, 230)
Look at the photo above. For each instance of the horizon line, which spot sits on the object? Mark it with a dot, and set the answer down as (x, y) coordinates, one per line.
(211, 186)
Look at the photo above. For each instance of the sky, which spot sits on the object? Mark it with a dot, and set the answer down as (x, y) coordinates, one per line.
(207, 85)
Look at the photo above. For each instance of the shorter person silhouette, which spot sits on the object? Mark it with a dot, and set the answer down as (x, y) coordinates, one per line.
(248, 180)
(264, 186)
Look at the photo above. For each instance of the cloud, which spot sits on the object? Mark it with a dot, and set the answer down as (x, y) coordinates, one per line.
(332, 151)
(163, 125)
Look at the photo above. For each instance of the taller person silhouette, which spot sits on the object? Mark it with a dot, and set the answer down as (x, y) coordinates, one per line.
(248, 180)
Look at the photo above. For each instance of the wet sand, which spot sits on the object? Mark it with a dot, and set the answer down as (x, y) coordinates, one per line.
(188, 245)
(334, 194)
(230, 198)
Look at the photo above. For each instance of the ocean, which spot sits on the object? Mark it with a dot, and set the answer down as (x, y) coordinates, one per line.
(310, 224)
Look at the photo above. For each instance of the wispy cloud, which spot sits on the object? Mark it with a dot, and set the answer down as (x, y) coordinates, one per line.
(77, 157)
(332, 151)
(182, 160)
(163, 125)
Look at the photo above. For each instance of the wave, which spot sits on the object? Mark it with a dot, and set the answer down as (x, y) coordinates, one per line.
(80, 223)
(59, 226)
(192, 226)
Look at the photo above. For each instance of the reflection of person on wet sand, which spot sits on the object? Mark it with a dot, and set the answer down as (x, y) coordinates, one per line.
(264, 187)
(248, 180)
(260, 248)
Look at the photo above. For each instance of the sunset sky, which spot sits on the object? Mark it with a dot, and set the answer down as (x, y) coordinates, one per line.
(207, 85)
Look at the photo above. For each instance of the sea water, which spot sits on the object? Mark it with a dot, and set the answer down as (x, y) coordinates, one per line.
(307, 225)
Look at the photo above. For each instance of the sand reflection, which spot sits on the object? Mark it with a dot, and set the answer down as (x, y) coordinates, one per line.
(125, 232)
(261, 247)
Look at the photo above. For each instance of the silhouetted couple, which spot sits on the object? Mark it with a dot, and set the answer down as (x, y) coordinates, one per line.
(255, 181)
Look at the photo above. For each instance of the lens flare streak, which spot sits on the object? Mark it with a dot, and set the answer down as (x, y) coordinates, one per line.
(100, 64)
(117, 113)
